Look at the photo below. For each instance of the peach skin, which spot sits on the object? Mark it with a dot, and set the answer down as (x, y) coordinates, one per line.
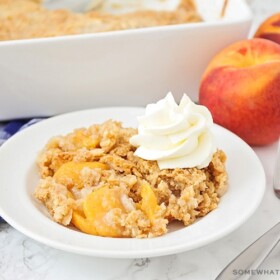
(270, 29)
(241, 88)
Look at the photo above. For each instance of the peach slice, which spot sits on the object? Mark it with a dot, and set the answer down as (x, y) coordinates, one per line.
(148, 203)
(83, 224)
(81, 140)
(101, 207)
(69, 173)
(80, 221)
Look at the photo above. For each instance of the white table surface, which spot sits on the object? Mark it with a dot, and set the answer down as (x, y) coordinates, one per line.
(23, 258)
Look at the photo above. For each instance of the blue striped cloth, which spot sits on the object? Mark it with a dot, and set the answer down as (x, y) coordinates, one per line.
(8, 129)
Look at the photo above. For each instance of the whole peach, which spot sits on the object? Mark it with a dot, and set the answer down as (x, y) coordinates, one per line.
(270, 29)
(241, 88)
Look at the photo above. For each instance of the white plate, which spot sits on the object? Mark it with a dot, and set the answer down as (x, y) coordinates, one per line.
(19, 177)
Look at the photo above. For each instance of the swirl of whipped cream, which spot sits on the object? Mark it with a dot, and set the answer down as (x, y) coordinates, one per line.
(176, 136)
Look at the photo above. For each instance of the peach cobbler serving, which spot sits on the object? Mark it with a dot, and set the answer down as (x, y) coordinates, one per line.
(112, 181)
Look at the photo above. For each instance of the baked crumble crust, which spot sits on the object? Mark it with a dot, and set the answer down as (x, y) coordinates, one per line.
(182, 194)
(26, 19)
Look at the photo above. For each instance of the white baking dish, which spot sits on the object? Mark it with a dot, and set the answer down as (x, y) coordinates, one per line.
(43, 77)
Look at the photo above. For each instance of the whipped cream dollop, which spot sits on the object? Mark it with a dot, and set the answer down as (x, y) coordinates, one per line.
(176, 136)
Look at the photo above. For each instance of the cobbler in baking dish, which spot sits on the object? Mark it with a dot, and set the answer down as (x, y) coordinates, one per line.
(25, 19)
